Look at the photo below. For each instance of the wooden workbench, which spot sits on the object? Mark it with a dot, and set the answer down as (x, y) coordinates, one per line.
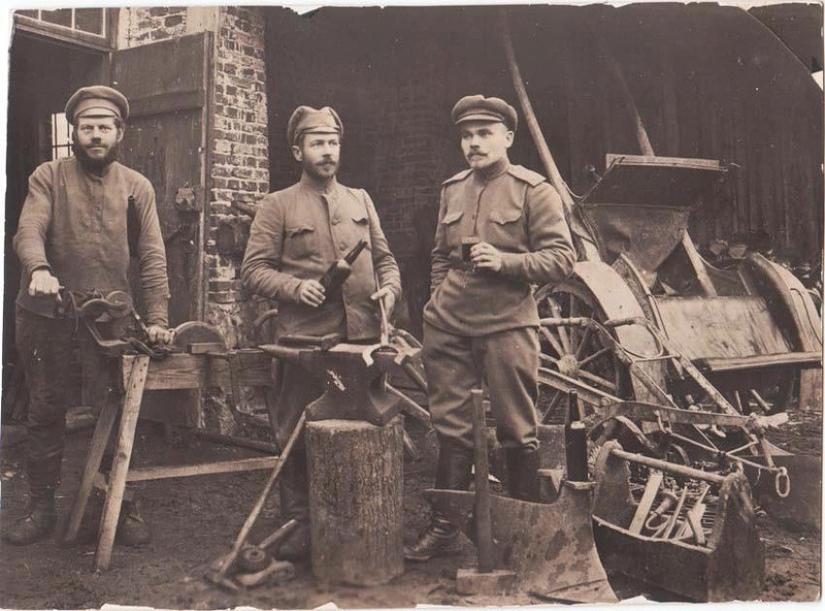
(139, 373)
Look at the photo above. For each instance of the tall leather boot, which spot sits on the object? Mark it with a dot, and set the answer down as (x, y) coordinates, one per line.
(39, 522)
(453, 472)
(293, 483)
(522, 473)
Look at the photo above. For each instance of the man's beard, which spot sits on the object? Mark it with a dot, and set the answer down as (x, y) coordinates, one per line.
(320, 174)
(95, 165)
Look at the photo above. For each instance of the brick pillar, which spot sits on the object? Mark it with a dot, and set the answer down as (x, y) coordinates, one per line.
(240, 166)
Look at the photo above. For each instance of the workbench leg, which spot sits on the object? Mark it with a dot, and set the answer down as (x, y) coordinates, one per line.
(103, 430)
(139, 367)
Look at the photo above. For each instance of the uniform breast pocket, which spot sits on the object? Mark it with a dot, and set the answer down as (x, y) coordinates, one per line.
(451, 224)
(301, 241)
(506, 228)
(361, 228)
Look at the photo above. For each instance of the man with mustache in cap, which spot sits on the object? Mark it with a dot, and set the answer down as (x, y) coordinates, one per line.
(481, 323)
(73, 234)
(296, 235)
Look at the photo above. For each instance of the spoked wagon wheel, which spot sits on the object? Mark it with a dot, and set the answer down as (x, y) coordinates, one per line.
(577, 353)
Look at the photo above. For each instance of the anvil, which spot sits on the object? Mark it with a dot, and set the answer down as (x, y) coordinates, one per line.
(354, 379)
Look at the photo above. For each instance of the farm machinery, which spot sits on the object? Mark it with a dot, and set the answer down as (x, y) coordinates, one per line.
(681, 368)
(677, 369)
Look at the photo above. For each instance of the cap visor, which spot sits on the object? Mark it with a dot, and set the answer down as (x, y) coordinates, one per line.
(485, 117)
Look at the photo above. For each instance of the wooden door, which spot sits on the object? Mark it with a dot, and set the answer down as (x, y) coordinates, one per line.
(166, 140)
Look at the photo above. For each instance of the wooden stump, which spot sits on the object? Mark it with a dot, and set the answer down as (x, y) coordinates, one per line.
(355, 499)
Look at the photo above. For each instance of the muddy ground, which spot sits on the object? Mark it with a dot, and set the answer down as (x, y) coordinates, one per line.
(195, 520)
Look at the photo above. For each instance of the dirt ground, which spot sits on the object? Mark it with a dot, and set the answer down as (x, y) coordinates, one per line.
(195, 520)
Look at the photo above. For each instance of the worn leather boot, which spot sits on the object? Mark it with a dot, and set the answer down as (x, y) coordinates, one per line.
(522, 473)
(132, 530)
(294, 492)
(454, 472)
(38, 524)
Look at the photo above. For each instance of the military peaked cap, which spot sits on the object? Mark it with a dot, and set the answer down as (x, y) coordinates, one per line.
(479, 108)
(306, 119)
(97, 101)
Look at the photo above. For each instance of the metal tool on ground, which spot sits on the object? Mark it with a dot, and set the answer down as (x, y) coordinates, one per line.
(255, 558)
(219, 570)
(257, 567)
(275, 571)
(484, 578)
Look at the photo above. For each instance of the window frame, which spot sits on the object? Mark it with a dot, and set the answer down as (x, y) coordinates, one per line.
(93, 41)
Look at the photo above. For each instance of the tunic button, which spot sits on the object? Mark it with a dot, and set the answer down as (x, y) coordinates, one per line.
(334, 221)
(342, 247)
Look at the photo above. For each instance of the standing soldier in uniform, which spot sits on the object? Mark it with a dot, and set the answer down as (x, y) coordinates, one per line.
(296, 235)
(73, 235)
(481, 323)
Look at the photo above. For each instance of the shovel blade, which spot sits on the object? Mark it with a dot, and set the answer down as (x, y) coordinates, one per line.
(549, 546)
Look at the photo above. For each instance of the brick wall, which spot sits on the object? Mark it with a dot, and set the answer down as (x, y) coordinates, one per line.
(239, 172)
(143, 25)
(240, 164)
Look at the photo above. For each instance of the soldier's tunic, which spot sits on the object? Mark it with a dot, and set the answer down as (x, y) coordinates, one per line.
(485, 323)
(296, 235)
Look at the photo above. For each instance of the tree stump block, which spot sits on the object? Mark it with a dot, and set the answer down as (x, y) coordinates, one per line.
(356, 490)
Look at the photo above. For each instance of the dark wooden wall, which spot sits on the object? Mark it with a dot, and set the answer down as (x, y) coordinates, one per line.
(708, 81)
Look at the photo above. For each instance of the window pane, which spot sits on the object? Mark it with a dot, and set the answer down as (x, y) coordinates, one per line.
(62, 16)
(32, 14)
(89, 20)
(61, 136)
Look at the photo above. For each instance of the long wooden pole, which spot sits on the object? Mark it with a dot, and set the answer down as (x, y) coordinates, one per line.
(530, 117)
(590, 251)
(484, 524)
(616, 70)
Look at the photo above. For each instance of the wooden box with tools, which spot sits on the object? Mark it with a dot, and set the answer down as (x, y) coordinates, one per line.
(691, 532)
